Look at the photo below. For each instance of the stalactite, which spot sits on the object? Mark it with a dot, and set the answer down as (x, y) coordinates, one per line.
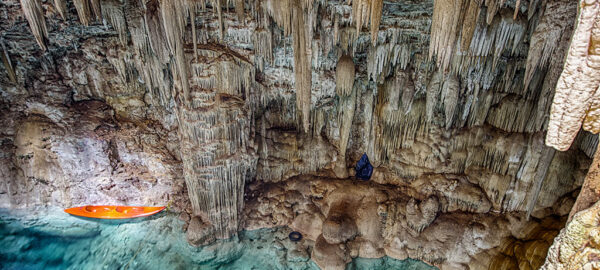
(433, 92)
(541, 170)
(503, 35)
(10, 70)
(96, 9)
(532, 8)
(407, 86)
(579, 80)
(345, 116)
(113, 12)
(83, 11)
(37, 23)
(302, 68)
(555, 21)
(217, 5)
(450, 91)
(174, 20)
(192, 8)
(239, 10)
(61, 7)
(344, 76)
(154, 26)
(263, 47)
(364, 11)
(444, 30)
(469, 24)
(492, 8)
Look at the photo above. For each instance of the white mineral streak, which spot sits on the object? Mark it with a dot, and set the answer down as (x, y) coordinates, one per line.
(35, 16)
(579, 80)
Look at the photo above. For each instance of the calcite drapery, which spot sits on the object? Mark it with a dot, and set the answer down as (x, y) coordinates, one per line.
(576, 90)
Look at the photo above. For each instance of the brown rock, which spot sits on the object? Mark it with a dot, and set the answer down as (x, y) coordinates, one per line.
(330, 256)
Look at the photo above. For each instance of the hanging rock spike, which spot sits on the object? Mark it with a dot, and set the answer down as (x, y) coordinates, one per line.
(37, 23)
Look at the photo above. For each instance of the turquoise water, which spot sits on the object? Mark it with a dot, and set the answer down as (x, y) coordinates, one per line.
(59, 241)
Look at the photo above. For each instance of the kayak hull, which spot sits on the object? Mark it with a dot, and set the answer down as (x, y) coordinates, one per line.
(113, 211)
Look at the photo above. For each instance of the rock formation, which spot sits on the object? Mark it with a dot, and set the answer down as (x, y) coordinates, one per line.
(250, 114)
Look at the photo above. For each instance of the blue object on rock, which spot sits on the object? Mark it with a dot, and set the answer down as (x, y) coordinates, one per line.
(364, 169)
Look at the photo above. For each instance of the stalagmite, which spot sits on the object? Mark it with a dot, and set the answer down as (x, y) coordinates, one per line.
(344, 76)
(35, 16)
(364, 11)
(61, 7)
(579, 80)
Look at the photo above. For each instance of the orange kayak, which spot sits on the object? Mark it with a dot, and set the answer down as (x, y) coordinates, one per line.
(113, 212)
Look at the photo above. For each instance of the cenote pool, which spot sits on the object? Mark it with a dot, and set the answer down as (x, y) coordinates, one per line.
(57, 240)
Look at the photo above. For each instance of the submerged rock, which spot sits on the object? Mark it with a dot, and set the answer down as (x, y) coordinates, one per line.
(199, 232)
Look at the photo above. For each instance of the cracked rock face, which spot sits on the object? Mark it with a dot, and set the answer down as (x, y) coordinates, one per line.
(252, 114)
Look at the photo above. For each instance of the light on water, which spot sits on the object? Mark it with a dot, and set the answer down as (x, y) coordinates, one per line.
(57, 240)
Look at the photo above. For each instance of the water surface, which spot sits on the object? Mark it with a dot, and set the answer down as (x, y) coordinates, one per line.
(56, 240)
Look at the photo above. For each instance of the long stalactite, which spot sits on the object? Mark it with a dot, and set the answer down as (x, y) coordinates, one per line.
(35, 16)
